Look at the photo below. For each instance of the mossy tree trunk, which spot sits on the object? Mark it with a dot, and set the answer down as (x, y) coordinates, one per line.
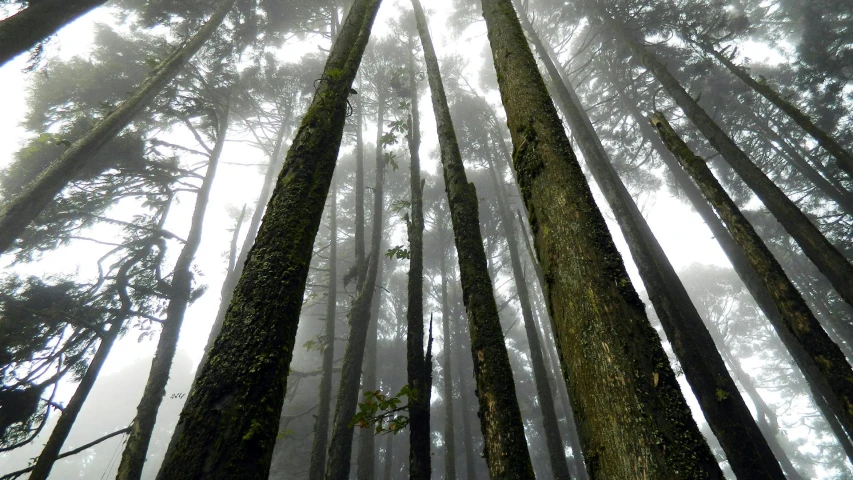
(614, 362)
(500, 418)
(340, 447)
(823, 254)
(822, 362)
(32, 25)
(321, 425)
(447, 367)
(230, 421)
(725, 410)
(19, 212)
(842, 156)
(180, 292)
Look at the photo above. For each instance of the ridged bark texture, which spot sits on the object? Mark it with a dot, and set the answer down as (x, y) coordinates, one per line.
(321, 425)
(826, 257)
(230, 421)
(20, 211)
(821, 361)
(727, 414)
(180, 290)
(500, 418)
(633, 420)
(27, 28)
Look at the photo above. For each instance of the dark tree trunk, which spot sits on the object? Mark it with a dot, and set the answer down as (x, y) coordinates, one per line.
(180, 291)
(321, 425)
(500, 418)
(614, 362)
(340, 447)
(20, 211)
(826, 257)
(447, 368)
(727, 414)
(822, 362)
(230, 421)
(29, 27)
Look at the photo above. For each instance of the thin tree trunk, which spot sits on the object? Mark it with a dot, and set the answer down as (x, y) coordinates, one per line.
(340, 447)
(843, 157)
(418, 371)
(366, 465)
(556, 451)
(321, 425)
(447, 368)
(725, 411)
(20, 211)
(230, 421)
(32, 25)
(468, 433)
(822, 362)
(389, 457)
(180, 291)
(500, 418)
(826, 257)
(614, 362)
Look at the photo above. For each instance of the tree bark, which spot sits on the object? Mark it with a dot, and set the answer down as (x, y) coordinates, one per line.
(180, 291)
(366, 465)
(230, 420)
(32, 25)
(826, 257)
(447, 368)
(500, 418)
(321, 425)
(20, 211)
(821, 361)
(725, 411)
(614, 362)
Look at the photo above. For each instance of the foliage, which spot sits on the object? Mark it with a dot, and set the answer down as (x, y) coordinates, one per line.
(380, 411)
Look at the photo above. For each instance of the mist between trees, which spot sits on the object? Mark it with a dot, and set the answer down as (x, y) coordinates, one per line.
(508, 239)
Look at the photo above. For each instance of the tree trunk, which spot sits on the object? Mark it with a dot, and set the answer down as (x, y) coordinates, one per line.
(843, 158)
(321, 425)
(180, 291)
(614, 362)
(500, 418)
(556, 451)
(20, 211)
(447, 368)
(230, 421)
(340, 448)
(725, 411)
(366, 465)
(821, 361)
(32, 25)
(419, 373)
(389, 457)
(826, 257)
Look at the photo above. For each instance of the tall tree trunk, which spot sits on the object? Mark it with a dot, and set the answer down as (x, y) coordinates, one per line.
(556, 451)
(843, 157)
(725, 411)
(389, 457)
(321, 425)
(340, 447)
(180, 291)
(465, 390)
(447, 368)
(32, 25)
(230, 421)
(826, 257)
(419, 373)
(821, 361)
(366, 465)
(20, 211)
(500, 418)
(614, 362)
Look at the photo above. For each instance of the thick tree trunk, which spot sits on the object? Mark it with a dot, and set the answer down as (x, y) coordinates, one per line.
(180, 291)
(340, 447)
(230, 421)
(821, 361)
(447, 368)
(614, 362)
(727, 414)
(556, 451)
(321, 425)
(826, 257)
(20, 211)
(419, 373)
(843, 158)
(500, 418)
(29, 27)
